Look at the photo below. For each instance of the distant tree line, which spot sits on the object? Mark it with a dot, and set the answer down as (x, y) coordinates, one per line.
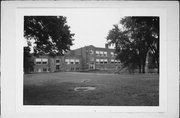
(138, 37)
(48, 35)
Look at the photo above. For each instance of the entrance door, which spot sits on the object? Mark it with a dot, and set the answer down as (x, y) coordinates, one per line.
(92, 66)
(57, 67)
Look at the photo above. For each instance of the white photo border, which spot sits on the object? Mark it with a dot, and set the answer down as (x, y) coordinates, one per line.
(51, 8)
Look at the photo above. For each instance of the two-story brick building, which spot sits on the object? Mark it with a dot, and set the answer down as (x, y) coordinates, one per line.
(81, 59)
(95, 58)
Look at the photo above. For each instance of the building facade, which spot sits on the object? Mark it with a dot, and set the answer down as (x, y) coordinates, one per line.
(95, 58)
(82, 59)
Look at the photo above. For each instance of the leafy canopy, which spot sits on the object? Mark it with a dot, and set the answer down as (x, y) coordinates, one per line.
(51, 34)
(137, 37)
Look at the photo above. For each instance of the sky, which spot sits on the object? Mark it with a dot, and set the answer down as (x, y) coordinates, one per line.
(91, 26)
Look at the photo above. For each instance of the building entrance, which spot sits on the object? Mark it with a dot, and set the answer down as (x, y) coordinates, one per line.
(92, 66)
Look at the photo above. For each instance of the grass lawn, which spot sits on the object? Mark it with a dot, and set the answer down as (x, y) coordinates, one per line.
(111, 89)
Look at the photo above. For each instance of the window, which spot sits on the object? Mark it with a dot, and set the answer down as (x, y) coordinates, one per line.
(38, 61)
(57, 61)
(105, 54)
(101, 61)
(101, 53)
(77, 68)
(67, 61)
(72, 69)
(112, 60)
(97, 61)
(77, 61)
(72, 61)
(44, 61)
(105, 61)
(97, 53)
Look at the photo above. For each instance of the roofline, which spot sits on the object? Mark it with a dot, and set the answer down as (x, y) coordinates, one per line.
(94, 47)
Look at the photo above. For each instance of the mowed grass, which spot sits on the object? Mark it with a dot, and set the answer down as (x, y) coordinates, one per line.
(111, 89)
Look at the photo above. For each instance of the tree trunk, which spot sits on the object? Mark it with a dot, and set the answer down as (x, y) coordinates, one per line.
(139, 68)
(143, 69)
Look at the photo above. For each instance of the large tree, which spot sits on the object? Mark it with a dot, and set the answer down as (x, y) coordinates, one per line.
(51, 34)
(138, 37)
(47, 34)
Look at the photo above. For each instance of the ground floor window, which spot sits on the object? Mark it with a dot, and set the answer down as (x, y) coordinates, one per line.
(44, 69)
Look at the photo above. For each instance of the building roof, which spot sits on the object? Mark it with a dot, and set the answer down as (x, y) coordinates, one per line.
(95, 47)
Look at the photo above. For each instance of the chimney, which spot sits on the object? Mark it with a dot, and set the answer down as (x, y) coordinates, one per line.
(106, 45)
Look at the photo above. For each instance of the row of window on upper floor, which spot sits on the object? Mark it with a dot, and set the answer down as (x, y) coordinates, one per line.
(101, 53)
(72, 61)
(44, 61)
(106, 61)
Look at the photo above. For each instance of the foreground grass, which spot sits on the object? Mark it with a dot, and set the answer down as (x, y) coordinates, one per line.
(111, 89)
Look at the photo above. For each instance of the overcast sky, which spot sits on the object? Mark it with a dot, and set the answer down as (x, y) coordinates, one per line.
(91, 26)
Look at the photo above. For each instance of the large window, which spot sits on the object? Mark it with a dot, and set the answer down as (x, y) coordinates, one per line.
(38, 61)
(105, 61)
(97, 61)
(101, 53)
(101, 61)
(77, 61)
(97, 53)
(72, 61)
(112, 60)
(45, 61)
(105, 54)
(67, 61)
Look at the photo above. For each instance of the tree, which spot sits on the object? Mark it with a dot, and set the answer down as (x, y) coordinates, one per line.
(48, 35)
(28, 62)
(138, 36)
(51, 34)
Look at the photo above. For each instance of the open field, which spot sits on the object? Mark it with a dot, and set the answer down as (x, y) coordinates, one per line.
(111, 89)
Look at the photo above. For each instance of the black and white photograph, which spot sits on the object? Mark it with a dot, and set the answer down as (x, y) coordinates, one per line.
(91, 57)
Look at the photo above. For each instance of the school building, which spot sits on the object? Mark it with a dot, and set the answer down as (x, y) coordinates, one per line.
(82, 59)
